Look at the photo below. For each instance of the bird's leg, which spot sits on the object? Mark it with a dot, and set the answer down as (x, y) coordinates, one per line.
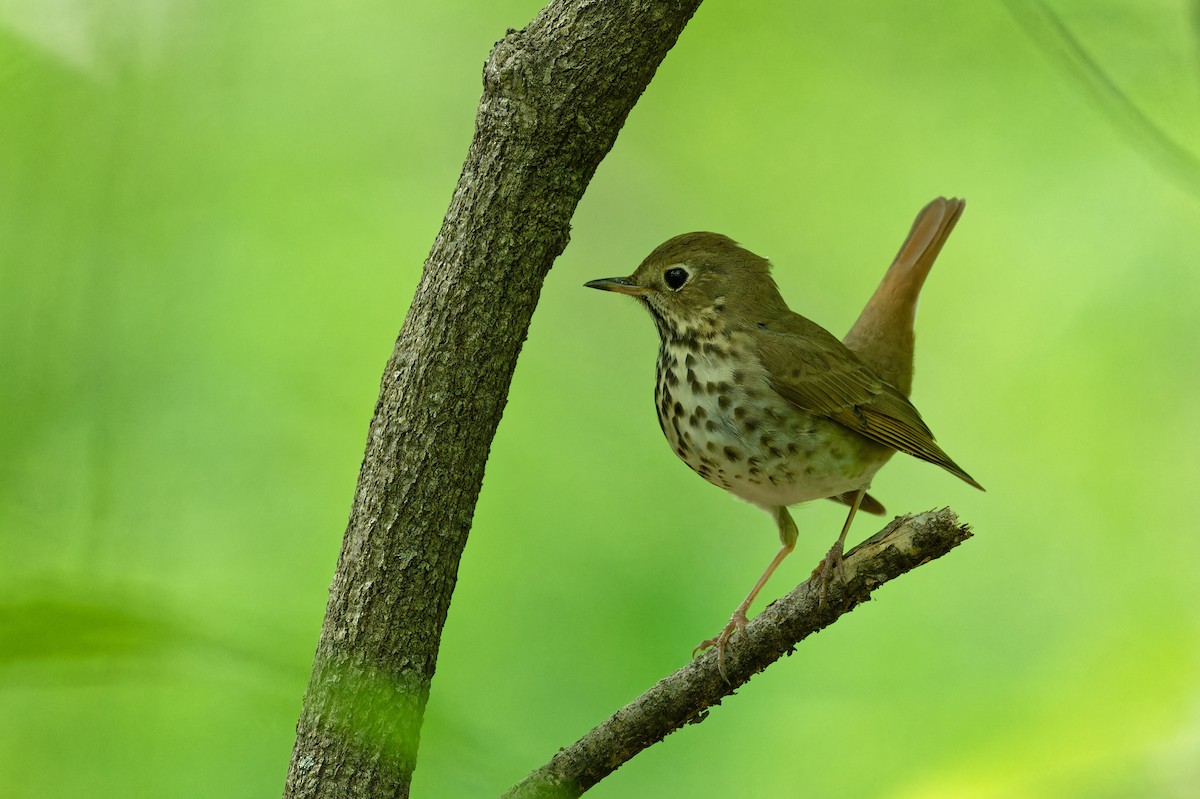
(832, 562)
(738, 621)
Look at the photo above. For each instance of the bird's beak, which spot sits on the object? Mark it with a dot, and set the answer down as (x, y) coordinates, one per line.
(622, 285)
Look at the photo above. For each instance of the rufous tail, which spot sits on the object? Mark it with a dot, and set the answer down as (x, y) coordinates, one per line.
(883, 334)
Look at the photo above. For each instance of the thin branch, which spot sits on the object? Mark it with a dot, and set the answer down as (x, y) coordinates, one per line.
(1044, 25)
(686, 696)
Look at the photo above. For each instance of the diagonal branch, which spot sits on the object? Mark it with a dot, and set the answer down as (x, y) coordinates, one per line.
(685, 696)
(1050, 31)
(555, 95)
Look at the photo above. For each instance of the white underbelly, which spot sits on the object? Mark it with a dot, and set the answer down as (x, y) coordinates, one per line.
(742, 436)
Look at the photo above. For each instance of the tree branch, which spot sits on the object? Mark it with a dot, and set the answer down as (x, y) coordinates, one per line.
(685, 696)
(555, 96)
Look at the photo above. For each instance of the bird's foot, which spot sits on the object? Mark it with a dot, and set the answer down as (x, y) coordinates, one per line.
(831, 568)
(737, 622)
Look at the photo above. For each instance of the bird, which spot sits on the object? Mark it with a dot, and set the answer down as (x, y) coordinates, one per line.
(772, 407)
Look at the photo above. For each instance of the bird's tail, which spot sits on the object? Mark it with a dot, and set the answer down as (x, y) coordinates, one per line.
(883, 334)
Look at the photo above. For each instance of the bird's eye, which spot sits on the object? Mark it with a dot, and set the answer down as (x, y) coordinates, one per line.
(675, 277)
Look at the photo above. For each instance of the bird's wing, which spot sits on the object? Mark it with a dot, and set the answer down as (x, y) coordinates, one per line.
(815, 372)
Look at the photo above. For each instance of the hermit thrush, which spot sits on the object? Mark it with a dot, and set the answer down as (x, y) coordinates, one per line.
(772, 407)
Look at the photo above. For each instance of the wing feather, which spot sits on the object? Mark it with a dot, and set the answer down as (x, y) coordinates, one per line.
(814, 371)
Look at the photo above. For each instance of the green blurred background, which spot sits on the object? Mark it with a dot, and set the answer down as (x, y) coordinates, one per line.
(212, 218)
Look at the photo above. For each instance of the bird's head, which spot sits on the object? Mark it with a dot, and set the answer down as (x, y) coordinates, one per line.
(701, 280)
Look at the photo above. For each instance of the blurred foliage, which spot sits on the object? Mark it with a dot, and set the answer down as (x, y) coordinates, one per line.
(212, 216)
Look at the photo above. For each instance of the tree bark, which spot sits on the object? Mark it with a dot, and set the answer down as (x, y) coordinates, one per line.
(555, 96)
(685, 696)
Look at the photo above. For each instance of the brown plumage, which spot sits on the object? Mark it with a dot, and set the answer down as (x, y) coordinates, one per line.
(883, 335)
(820, 375)
(769, 405)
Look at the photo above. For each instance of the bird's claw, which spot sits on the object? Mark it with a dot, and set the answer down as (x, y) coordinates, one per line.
(737, 622)
(831, 567)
